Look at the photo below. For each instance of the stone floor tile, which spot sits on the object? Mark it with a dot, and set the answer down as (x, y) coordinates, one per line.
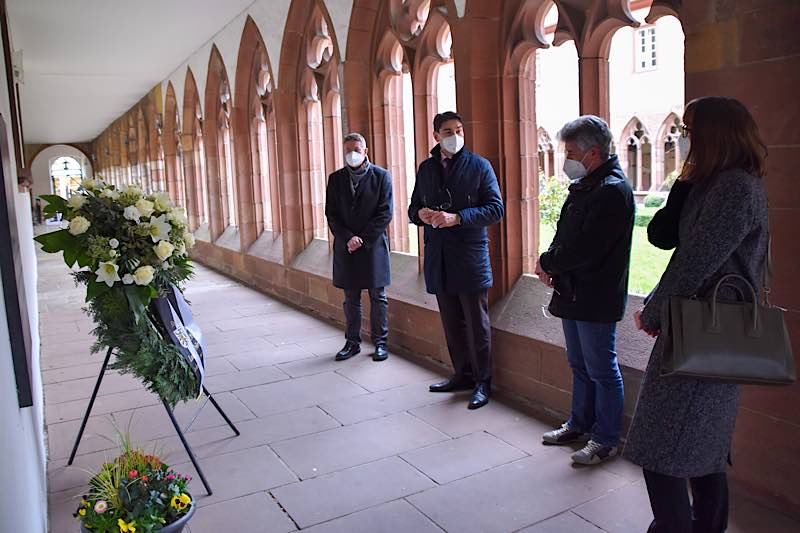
(229, 345)
(328, 346)
(266, 308)
(241, 379)
(368, 406)
(256, 512)
(527, 491)
(625, 510)
(75, 409)
(61, 505)
(269, 356)
(82, 388)
(85, 370)
(218, 365)
(456, 420)
(392, 517)
(394, 372)
(525, 434)
(322, 364)
(347, 446)
(564, 523)
(461, 457)
(338, 494)
(294, 394)
(236, 474)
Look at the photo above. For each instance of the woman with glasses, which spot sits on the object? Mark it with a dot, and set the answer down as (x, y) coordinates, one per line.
(716, 220)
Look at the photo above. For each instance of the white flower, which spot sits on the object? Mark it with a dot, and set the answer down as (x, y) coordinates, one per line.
(162, 201)
(132, 213)
(164, 249)
(145, 207)
(78, 225)
(143, 275)
(188, 238)
(112, 253)
(159, 228)
(114, 243)
(76, 201)
(127, 279)
(177, 215)
(132, 189)
(110, 193)
(108, 273)
(88, 184)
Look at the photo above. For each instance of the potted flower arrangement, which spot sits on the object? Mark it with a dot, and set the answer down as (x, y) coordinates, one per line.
(130, 249)
(135, 493)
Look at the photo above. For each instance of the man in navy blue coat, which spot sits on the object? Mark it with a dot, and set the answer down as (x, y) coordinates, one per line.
(455, 198)
(359, 208)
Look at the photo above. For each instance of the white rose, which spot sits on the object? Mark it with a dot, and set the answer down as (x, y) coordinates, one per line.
(188, 238)
(145, 207)
(162, 201)
(110, 193)
(177, 215)
(78, 225)
(114, 243)
(143, 275)
(132, 213)
(164, 249)
(112, 253)
(127, 279)
(76, 201)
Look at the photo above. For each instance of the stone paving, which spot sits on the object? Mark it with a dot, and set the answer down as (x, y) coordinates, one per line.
(353, 446)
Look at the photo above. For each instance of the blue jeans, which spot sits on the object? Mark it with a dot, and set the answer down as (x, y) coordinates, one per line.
(597, 392)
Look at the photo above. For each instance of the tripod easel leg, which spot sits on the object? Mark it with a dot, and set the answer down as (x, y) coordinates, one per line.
(89, 407)
(187, 447)
(220, 411)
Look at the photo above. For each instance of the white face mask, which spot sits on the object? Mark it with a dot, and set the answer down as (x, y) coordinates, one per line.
(354, 159)
(574, 169)
(452, 144)
(684, 144)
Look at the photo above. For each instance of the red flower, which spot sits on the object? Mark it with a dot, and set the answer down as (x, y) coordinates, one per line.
(170, 477)
(144, 478)
(133, 474)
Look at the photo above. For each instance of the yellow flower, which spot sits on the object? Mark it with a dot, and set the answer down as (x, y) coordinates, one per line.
(82, 512)
(185, 499)
(180, 502)
(174, 502)
(130, 527)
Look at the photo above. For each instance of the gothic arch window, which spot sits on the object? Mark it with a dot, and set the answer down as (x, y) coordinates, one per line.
(142, 166)
(668, 156)
(225, 155)
(172, 149)
(265, 147)
(319, 118)
(194, 160)
(546, 154)
(636, 158)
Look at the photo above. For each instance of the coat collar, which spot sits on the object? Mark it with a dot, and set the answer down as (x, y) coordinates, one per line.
(591, 180)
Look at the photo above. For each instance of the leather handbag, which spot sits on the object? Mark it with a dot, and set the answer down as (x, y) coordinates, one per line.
(731, 342)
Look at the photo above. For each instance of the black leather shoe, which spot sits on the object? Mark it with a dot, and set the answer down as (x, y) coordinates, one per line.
(380, 353)
(480, 397)
(453, 384)
(350, 349)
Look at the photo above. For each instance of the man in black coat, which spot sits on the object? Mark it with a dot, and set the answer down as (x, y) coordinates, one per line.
(359, 208)
(455, 198)
(587, 266)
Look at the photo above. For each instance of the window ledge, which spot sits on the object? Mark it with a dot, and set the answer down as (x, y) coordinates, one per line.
(230, 239)
(268, 246)
(202, 233)
(523, 312)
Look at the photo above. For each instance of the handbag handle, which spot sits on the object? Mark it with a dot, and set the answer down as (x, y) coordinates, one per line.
(726, 280)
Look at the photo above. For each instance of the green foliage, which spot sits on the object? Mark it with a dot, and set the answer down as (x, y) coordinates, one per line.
(654, 200)
(644, 215)
(552, 195)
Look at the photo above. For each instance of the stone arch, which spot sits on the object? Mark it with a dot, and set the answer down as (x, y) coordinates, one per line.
(42, 161)
(217, 135)
(142, 159)
(667, 157)
(635, 153)
(194, 161)
(255, 136)
(173, 152)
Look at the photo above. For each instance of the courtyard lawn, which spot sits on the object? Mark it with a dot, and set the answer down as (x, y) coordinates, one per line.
(647, 261)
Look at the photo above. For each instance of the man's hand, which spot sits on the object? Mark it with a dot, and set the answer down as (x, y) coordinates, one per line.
(637, 319)
(425, 214)
(544, 277)
(354, 243)
(443, 219)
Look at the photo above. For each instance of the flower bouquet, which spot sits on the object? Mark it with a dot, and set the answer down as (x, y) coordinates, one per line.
(135, 493)
(131, 253)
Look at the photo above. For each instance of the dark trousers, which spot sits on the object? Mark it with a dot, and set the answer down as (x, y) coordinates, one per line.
(378, 314)
(465, 318)
(672, 512)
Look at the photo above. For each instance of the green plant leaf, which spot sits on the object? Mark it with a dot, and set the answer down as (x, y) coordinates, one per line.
(56, 241)
(95, 289)
(83, 259)
(55, 204)
(139, 298)
(71, 256)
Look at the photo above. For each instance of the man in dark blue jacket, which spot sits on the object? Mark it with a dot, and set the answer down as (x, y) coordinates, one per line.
(587, 266)
(359, 208)
(455, 198)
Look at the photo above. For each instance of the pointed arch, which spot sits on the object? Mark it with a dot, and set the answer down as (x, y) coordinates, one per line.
(218, 142)
(635, 154)
(173, 151)
(194, 160)
(668, 159)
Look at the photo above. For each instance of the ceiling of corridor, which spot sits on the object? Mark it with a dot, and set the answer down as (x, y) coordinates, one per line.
(86, 62)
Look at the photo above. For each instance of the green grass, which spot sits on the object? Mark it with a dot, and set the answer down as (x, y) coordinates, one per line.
(647, 261)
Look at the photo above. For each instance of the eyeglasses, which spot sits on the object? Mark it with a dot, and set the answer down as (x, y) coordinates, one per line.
(444, 206)
(684, 129)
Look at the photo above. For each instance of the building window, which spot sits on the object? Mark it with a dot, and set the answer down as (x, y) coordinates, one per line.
(645, 49)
